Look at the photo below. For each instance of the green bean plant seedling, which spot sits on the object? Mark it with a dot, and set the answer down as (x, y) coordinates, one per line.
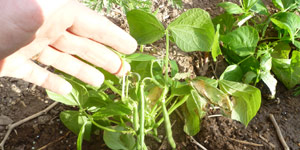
(130, 107)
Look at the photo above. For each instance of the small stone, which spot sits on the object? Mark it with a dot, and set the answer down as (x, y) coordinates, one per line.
(16, 89)
(5, 120)
(43, 119)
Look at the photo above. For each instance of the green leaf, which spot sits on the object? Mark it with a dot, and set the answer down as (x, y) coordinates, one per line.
(278, 4)
(226, 22)
(269, 80)
(193, 111)
(174, 68)
(193, 30)
(212, 82)
(78, 96)
(112, 109)
(242, 41)
(144, 27)
(231, 8)
(281, 50)
(246, 100)
(117, 140)
(249, 77)
(139, 57)
(248, 4)
(180, 89)
(232, 73)
(74, 120)
(142, 68)
(283, 4)
(287, 21)
(288, 70)
(260, 8)
(297, 44)
(215, 50)
(80, 136)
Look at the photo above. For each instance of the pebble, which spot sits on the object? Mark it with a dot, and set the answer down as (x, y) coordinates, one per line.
(43, 119)
(5, 120)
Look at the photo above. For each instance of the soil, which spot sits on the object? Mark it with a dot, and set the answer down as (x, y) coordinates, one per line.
(19, 99)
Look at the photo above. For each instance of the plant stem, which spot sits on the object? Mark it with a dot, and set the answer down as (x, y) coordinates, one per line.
(113, 88)
(166, 62)
(141, 48)
(244, 59)
(142, 117)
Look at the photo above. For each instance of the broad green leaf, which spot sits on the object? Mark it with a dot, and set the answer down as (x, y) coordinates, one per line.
(287, 21)
(193, 30)
(232, 73)
(80, 136)
(74, 120)
(246, 100)
(242, 41)
(283, 4)
(194, 111)
(216, 50)
(281, 50)
(112, 109)
(96, 100)
(288, 70)
(157, 70)
(226, 22)
(78, 95)
(248, 4)
(142, 68)
(180, 89)
(249, 77)
(144, 27)
(231, 8)
(212, 82)
(140, 57)
(213, 94)
(260, 8)
(117, 140)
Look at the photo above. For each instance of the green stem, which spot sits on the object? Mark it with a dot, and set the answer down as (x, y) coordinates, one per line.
(270, 38)
(142, 117)
(109, 129)
(156, 107)
(141, 48)
(113, 88)
(166, 62)
(244, 59)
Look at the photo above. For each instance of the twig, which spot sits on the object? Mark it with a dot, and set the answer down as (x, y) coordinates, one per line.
(12, 126)
(197, 143)
(216, 115)
(179, 115)
(279, 134)
(60, 138)
(246, 142)
(268, 142)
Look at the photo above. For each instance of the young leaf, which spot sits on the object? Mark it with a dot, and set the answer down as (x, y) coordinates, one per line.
(144, 27)
(278, 4)
(231, 8)
(287, 21)
(78, 96)
(260, 8)
(193, 30)
(139, 57)
(117, 140)
(174, 68)
(232, 73)
(248, 4)
(288, 70)
(283, 4)
(242, 41)
(73, 120)
(246, 100)
(215, 50)
(269, 80)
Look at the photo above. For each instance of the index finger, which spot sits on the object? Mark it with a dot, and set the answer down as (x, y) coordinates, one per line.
(91, 25)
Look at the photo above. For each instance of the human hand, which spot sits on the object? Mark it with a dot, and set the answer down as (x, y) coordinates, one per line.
(55, 31)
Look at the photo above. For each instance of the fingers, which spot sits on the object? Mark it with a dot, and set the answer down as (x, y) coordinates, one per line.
(91, 25)
(90, 51)
(31, 72)
(72, 66)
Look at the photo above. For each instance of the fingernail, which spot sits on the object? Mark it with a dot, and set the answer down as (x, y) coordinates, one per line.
(124, 70)
(66, 88)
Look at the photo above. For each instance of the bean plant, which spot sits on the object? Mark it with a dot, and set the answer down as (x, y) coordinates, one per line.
(130, 107)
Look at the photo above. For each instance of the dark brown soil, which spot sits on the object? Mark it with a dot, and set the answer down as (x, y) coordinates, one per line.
(19, 99)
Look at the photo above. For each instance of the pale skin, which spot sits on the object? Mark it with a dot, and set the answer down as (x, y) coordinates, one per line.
(52, 32)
